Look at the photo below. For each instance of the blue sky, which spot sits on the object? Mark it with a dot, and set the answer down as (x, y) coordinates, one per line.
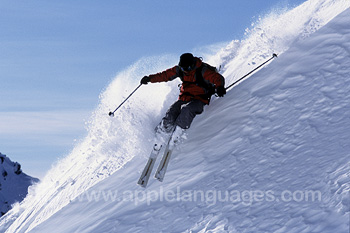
(57, 56)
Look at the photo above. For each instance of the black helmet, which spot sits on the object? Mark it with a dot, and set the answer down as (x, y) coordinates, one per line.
(187, 61)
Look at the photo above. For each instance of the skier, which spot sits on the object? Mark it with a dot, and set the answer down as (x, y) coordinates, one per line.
(199, 82)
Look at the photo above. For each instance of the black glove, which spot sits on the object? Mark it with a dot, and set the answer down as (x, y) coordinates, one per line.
(145, 80)
(221, 91)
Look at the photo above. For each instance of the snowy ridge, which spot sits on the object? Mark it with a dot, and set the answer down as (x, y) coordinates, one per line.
(285, 128)
(14, 183)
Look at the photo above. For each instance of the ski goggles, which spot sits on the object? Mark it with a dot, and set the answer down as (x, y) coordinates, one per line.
(186, 69)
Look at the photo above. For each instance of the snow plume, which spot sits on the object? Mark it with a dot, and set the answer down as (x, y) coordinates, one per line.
(109, 144)
(275, 33)
(258, 137)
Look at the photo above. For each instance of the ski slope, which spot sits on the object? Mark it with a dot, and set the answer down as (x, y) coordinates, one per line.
(271, 156)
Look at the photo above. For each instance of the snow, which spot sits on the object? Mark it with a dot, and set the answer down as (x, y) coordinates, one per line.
(13, 183)
(271, 156)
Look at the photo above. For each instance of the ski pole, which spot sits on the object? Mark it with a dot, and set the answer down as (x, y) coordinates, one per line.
(111, 114)
(273, 56)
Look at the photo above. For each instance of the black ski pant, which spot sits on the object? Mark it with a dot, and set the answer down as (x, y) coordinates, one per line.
(181, 113)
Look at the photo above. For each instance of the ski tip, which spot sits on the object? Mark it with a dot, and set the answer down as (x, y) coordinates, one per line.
(158, 177)
(143, 185)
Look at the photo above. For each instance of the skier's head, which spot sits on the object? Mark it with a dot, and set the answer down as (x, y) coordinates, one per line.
(187, 62)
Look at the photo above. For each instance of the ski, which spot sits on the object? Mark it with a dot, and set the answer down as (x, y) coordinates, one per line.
(163, 165)
(149, 166)
(160, 173)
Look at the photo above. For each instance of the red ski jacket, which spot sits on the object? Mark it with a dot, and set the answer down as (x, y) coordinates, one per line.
(190, 88)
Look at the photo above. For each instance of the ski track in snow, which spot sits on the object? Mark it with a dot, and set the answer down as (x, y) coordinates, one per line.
(285, 128)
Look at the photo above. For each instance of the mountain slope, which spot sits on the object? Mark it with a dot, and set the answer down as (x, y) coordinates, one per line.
(249, 161)
(275, 138)
(13, 183)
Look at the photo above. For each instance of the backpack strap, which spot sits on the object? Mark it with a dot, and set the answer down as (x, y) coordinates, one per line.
(200, 81)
